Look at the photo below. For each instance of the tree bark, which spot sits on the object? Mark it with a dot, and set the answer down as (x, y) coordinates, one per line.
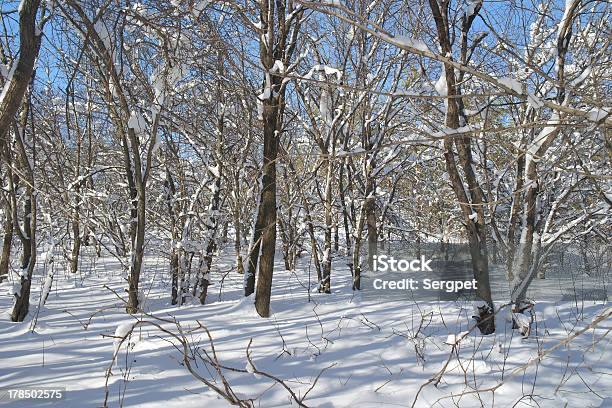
(267, 209)
(7, 243)
(253, 255)
(372, 228)
(14, 91)
(237, 227)
(325, 286)
(455, 115)
(28, 259)
(29, 45)
(276, 44)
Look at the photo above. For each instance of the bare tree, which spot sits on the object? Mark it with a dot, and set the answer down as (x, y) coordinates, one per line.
(12, 99)
(280, 25)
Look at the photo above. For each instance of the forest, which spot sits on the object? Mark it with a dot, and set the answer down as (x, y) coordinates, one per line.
(198, 194)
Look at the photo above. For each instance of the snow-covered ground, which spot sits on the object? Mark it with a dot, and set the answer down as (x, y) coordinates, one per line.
(368, 353)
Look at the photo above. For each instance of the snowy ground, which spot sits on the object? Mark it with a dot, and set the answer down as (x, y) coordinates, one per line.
(377, 353)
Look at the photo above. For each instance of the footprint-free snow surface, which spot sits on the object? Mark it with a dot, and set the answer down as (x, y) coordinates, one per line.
(337, 350)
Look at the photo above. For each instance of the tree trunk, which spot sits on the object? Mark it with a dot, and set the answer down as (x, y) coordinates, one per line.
(267, 209)
(238, 237)
(76, 246)
(76, 214)
(28, 259)
(170, 191)
(372, 228)
(137, 252)
(29, 45)
(6, 244)
(472, 204)
(369, 192)
(345, 218)
(325, 286)
(213, 222)
(284, 31)
(174, 272)
(13, 93)
(253, 255)
(205, 278)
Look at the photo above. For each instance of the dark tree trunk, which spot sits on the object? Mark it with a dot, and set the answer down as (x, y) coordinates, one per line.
(274, 25)
(347, 222)
(28, 259)
(174, 272)
(267, 209)
(14, 91)
(372, 229)
(325, 286)
(253, 256)
(29, 45)
(238, 243)
(207, 263)
(475, 227)
(211, 246)
(76, 245)
(137, 253)
(6, 245)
